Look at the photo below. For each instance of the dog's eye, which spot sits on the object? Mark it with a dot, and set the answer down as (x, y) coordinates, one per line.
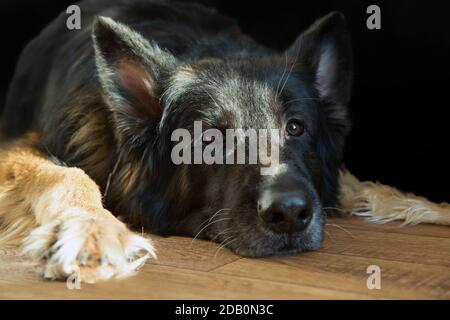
(295, 128)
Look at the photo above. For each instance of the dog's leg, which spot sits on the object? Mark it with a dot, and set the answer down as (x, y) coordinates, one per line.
(57, 211)
(383, 203)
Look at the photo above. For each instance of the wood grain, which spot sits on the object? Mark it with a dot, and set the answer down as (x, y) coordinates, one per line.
(414, 262)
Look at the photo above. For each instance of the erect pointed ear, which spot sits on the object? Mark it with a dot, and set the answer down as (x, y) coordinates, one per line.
(130, 70)
(325, 48)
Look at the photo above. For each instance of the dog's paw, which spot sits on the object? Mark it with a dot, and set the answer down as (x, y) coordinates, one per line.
(91, 245)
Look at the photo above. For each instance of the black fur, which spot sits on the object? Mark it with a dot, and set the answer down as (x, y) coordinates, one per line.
(93, 111)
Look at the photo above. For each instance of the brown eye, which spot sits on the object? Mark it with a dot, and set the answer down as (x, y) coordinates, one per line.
(295, 128)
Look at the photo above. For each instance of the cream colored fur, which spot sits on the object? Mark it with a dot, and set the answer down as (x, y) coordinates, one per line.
(381, 203)
(57, 214)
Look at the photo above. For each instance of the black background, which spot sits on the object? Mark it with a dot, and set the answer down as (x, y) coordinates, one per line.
(400, 100)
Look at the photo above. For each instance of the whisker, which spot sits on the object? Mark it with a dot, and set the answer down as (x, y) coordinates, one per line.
(209, 224)
(340, 227)
(221, 232)
(209, 219)
(329, 235)
(336, 208)
(290, 71)
(289, 74)
(211, 97)
(223, 245)
(110, 176)
(282, 76)
(218, 213)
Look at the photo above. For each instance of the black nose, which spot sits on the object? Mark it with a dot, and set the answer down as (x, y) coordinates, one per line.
(287, 213)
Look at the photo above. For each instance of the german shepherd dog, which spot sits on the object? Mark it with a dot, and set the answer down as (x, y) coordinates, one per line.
(86, 139)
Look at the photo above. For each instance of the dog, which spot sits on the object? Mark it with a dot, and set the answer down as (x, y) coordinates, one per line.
(87, 139)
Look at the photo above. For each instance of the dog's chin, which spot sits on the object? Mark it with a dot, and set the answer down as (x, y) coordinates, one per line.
(261, 242)
(279, 245)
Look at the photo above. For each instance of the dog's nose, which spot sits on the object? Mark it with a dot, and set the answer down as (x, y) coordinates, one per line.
(287, 213)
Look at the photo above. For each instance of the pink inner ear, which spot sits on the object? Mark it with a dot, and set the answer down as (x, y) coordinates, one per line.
(137, 82)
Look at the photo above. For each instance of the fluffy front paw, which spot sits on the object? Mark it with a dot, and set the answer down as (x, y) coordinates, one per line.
(93, 245)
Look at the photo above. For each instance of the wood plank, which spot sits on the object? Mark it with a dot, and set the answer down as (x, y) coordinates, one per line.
(162, 282)
(388, 246)
(172, 251)
(344, 274)
(353, 222)
(185, 253)
(14, 267)
(414, 264)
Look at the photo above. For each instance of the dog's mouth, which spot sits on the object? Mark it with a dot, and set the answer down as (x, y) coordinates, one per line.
(261, 250)
(280, 245)
(256, 240)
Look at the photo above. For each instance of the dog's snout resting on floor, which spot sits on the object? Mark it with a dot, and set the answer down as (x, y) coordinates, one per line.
(87, 136)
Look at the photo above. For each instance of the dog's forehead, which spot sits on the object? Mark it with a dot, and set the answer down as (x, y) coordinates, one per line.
(237, 99)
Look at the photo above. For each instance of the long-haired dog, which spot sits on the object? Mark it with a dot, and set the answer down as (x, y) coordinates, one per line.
(87, 137)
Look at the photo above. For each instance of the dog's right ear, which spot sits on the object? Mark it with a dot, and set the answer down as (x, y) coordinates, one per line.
(130, 69)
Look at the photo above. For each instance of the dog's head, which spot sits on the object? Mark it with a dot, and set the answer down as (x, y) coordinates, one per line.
(302, 93)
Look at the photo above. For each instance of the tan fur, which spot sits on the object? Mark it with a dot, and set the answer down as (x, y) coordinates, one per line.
(58, 215)
(91, 144)
(381, 203)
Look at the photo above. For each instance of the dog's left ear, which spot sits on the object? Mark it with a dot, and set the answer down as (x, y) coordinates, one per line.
(325, 49)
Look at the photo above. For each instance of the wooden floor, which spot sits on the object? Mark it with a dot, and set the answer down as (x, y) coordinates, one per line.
(414, 262)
